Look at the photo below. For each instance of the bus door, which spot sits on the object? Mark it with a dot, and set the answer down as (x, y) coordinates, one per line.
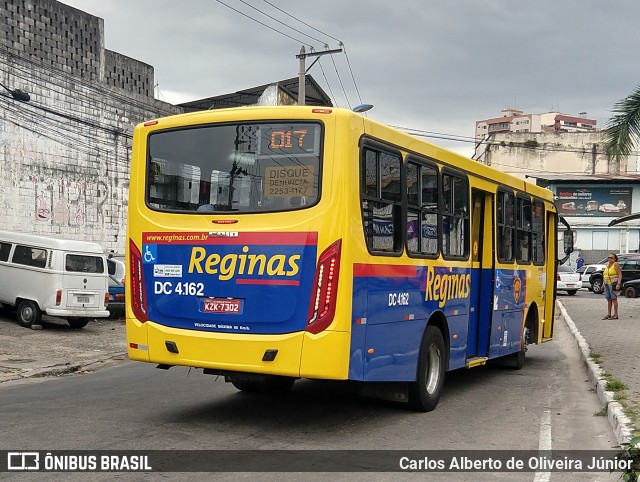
(551, 265)
(481, 273)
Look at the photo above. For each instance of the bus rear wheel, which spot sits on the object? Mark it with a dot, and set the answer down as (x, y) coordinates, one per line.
(29, 313)
(517, 359)
(424, 393)
(269, 384)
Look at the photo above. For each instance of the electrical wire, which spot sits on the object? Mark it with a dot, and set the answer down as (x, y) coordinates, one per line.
(261, 23)
(93, 86)
(344, 49)
(279, 21)
(333, 97)
(303, 23)
(340, 43)
(340, 80)
(472, 140)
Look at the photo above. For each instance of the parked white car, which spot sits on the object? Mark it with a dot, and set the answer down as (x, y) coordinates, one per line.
(568, 280)
(57, 277)
(586, 271)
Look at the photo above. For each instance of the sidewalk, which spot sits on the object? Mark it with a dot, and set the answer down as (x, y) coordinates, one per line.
(618, 344)
(57, 349)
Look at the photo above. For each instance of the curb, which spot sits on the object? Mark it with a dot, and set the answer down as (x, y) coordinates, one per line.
(57, 370)
(620, 423)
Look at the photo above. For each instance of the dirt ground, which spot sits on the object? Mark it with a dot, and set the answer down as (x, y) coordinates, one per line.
(56, 349)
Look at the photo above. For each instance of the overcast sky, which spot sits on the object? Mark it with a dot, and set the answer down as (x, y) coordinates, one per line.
(432, 65)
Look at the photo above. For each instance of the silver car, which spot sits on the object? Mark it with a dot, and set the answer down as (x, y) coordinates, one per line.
(568, 280)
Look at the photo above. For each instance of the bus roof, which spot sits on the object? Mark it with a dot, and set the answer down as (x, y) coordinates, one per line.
(39, 240)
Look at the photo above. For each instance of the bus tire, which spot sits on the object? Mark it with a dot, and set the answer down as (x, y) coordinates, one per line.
(77, 323)
(29, 313)
(274, 385)
(517, 359)
(424, 393)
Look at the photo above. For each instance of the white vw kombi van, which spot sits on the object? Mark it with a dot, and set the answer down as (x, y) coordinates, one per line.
(59, 277)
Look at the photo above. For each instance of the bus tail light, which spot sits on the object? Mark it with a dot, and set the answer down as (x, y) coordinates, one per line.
(58, 297)
(322, 307)
(138, 295)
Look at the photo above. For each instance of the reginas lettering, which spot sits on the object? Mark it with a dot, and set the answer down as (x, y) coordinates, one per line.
(444, 286)
(230, 265)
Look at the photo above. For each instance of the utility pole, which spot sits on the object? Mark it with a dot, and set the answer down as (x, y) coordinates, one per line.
(302, 78)
(302, 70)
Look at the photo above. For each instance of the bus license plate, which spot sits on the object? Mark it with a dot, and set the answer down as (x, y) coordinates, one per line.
(84, 299)
(225, 305)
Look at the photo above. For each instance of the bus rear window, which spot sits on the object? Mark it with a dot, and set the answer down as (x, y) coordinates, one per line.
(83, 264)
(249, 168)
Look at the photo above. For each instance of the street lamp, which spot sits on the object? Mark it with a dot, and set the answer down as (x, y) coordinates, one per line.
(362, 108)
(17, 94)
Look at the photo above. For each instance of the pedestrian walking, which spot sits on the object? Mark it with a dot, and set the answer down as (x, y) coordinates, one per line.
(612, 279)
(579, 261)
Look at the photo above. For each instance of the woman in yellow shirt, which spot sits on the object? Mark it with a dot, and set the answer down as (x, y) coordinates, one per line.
(612, 279)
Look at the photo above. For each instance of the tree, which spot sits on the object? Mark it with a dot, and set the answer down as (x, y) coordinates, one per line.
(623, 128)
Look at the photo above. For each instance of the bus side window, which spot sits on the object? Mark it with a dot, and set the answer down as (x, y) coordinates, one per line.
(505, 226)
(523, 227)
(455, 216)
(537, 232)
(381, 196)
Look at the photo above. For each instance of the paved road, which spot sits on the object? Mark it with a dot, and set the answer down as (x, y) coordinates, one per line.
(59, 349)
(134, 406)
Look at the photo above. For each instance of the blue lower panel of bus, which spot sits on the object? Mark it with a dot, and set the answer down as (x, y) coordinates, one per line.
(392, 305)
(230, 282)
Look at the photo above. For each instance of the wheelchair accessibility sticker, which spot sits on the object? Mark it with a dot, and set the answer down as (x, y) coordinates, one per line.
(150, 253)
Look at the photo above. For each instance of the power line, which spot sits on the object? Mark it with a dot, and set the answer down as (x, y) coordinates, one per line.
(303, 23)
(107, 93)
(333, 97)
(340, 43)
(280, 22)
(473, 140)
(340, 80)
(261, 23)
(350, 70)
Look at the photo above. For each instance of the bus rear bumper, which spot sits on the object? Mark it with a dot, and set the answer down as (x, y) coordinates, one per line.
(217, 351)
(325, 355)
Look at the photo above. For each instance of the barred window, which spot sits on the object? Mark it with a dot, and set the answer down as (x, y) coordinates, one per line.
(381, 200)
(505, 226)
(537, 232)
(455, 216)
(422, 209)
(523, 230)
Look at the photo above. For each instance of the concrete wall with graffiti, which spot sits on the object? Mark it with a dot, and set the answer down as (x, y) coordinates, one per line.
(65, 154)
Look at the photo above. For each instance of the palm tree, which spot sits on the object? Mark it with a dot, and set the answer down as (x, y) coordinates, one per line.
(623, 128)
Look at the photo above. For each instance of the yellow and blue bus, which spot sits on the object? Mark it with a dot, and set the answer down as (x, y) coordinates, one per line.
(269, 244)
